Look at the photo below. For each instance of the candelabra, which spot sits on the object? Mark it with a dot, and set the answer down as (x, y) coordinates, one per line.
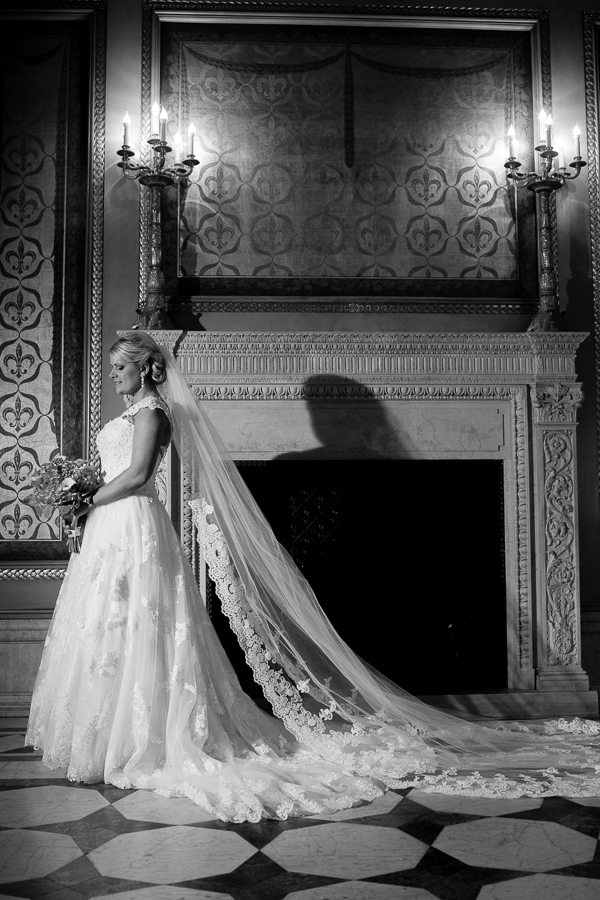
(152, 312)
(550, 178)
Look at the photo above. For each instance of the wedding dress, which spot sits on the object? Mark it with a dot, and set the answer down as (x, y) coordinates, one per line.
(134, 688)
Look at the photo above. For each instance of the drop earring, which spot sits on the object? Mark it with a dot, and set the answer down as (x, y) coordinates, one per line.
(143, 378)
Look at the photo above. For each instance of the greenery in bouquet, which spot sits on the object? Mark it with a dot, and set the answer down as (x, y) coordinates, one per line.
(62, 485)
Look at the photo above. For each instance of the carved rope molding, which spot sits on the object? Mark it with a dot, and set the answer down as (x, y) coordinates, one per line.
(31, 574)
(591, 38)
(521, 490)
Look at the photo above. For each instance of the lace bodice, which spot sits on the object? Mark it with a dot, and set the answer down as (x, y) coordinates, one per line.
(115, 441)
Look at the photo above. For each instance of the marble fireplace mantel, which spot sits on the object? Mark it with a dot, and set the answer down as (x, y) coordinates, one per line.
(512, 397)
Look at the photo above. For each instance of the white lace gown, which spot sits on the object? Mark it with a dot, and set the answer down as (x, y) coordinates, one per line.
(135, 690)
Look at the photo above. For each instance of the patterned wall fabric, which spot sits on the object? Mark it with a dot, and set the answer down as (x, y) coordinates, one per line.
(376, 154)
(42, 260)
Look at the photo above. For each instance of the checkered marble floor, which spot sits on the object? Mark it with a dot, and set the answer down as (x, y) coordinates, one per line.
(62, 841)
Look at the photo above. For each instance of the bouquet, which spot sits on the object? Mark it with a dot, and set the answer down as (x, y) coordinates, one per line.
(63, 485)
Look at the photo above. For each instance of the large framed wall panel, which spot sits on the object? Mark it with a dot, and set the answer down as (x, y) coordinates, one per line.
(351, 158)
(50, 275)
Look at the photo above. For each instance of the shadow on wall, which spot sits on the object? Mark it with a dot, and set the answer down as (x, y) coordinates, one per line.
(349, 421)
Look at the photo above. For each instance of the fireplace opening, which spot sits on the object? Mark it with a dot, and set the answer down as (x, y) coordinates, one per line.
(405, 556)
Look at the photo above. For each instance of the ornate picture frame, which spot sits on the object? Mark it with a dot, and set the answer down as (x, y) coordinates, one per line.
(285, 289)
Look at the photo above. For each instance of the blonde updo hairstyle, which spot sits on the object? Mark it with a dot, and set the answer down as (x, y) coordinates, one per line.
(139, 348)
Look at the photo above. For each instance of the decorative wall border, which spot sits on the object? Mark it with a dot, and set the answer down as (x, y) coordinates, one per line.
(226, 359)
(93, 389)
(592, 100)
(419, 307)
(153, 10)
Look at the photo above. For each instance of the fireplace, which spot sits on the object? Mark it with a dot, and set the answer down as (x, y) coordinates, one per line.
(383, 544)
(398, 400)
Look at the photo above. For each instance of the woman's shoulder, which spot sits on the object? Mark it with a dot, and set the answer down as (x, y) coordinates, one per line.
(150, 402)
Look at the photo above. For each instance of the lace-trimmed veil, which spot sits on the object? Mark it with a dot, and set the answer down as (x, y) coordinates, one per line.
(323, 692)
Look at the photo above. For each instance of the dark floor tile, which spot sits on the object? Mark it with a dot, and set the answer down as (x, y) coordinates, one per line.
(112, 793)
(63, 893)
(274, 888)
(260, 834)
(111, 819)
(447, 878)
(32, 889)
(585, 819)
(279, 888)
(14, 784)
(423, 830)
(105, 885)
(75, 872)
(256, 870)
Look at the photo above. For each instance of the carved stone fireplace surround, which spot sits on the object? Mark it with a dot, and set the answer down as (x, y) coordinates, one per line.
(512, 397)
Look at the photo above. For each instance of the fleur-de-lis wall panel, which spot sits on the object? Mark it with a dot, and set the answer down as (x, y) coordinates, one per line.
(357, 154)
(42, 261)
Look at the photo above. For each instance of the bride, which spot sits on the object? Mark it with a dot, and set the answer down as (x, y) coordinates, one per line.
(135, 690)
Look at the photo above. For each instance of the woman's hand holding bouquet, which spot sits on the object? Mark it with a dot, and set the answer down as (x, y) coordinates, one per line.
(66, 486)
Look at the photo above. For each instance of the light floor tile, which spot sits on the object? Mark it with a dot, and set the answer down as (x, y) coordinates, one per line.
(30, 769)
(378, 807)
(147, 806)
(472, 806)
(33, 854)
(171, 854)
(11, 742)
(345, 851)
(164, 892)
(46, 805)
(542, 887)
(362, 890)
(516, 844)
(585, 801)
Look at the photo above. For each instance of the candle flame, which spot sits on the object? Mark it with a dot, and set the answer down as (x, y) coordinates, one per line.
(126, 119)
(576, 131)
(163, 114)
(549, 120)
(192, 128)
(511, 131)
(155, 109)
(542, 117)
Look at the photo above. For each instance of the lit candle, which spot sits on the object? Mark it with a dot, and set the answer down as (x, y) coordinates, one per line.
(191, 133)
(177, 142)
(542, 121)
(549, 131)
(155, 115)
(511, 142)
(577, 138)
(126, 124)
(163, 124)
